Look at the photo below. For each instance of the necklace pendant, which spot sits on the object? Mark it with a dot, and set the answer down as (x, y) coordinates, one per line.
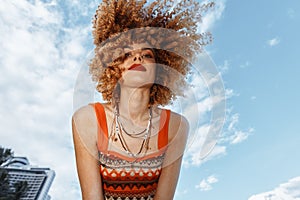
(145, 134)
(130, 154)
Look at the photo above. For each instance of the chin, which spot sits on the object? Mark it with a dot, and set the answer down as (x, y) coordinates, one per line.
(135, 83)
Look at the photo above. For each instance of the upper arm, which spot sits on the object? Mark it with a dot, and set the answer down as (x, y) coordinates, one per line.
(178, 132)
(84, 128)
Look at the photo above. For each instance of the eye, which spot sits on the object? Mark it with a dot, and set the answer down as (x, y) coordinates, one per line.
(148, 55)
(128, 54)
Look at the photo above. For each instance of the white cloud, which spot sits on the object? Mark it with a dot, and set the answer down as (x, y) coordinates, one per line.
(193, 156)
(204, 130)
(200, 146)
(229, 93)
(287, 191)
(211, 17)
(42, 47)
(240, 136)
(197, 159)
(206, 184)
(234, 120)
(232, 134)
(273, 42)
(225, 67)
(40, 56)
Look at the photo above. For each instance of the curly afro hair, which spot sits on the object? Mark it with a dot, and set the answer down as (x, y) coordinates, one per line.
(170, 29)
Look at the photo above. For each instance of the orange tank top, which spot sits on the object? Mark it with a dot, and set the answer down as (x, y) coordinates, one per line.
(124, 177)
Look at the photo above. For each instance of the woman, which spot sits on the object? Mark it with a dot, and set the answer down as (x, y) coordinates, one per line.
(129, 147)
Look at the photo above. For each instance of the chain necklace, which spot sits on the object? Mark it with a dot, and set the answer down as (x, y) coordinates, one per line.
(118, 130)
(139, 134)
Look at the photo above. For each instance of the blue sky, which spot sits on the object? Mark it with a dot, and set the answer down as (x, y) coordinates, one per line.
(44, 44)
(257, 42)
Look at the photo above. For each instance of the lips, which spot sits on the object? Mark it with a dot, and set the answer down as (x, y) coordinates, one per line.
(137, 67)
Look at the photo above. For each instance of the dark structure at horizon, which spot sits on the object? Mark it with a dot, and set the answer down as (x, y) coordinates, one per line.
(38, 179)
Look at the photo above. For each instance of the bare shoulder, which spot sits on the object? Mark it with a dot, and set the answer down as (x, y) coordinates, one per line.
(178, 126)
(84, 120)
(177, 135)
(85, 112)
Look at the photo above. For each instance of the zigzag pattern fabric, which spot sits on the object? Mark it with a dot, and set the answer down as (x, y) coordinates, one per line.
(125, 178)
(122, 180)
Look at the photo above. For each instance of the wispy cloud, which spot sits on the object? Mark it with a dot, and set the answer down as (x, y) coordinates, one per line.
(203, 131)
(287, 191)
(206, 184)
(224, 67)
(232, 134)
(212, 16)
(193, 156)
(273, 42)
(41, 52)
(40, 57)
(240, 136)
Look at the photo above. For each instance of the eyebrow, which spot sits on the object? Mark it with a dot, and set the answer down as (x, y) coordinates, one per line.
(146, 48)
(151, 49)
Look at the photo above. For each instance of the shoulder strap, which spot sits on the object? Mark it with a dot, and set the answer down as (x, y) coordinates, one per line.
(102, 141)
(163, 135)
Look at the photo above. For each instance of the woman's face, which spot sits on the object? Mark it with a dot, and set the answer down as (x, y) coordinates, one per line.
(139, 66)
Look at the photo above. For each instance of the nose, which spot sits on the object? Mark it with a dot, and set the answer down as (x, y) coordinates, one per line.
(137, 57)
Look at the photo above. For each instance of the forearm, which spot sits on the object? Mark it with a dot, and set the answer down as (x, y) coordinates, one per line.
(168, 181)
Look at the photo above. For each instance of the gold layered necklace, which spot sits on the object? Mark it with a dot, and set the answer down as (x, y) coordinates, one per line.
(118, 130)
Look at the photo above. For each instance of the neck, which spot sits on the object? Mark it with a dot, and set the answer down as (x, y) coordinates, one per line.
(133, 104)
